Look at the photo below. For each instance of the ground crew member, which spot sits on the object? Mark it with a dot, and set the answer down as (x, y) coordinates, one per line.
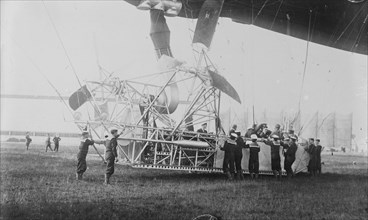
(290, 150)
(111, 155)
(319, 150)
(238, 155)
(312, 150)
(82, 154)
(229, 157)
(28, 140)
(48, 142)
(253, 165)
(275, 156)
(56, 140)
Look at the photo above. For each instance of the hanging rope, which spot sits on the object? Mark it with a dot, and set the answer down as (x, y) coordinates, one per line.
(305, 62)
(62, 44)
(273, 22)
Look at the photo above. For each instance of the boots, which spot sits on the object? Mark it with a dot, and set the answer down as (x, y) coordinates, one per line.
(79, 176)
(252, 175)
(107, 179)
(239, 175)
(280, 175)
(229, 175)
(256, 176)
(275, 174)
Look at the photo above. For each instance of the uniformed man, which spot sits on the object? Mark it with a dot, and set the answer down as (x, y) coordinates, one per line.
(229, 157)
(28, 140)
(56, 140)
(253, 165)
(238, 155)
(48, 142)
(82, 154)
(233, 129)
(289, 153)
(311, 149)
(275, 155)
(319, 150)
(111, 154)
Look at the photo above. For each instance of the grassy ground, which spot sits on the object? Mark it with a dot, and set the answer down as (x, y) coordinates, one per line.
(40, 185)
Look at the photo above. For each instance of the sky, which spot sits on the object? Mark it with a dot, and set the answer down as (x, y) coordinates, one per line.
(265, 67)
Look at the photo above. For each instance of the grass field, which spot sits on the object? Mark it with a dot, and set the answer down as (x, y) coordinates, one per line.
(40, 185)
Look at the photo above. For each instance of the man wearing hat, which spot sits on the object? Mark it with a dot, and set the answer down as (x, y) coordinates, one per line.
(111, 154)
(275, 155)
(56, 140)
(82, 154)
(254, 149)
(319, 150)
(312, 150)
(238, 155)
(229, 157)
(233, 129)
(290, 150)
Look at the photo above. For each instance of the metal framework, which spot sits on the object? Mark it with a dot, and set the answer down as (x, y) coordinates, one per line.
(157, 115)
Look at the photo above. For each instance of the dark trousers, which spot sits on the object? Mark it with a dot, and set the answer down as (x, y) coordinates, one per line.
(253, 163)
(238, 158)
(48, 145)
(27, 144)
(82, 165)
(229, 161)
(276, 163)
(56, 147)
(110, 166)
(287, 165)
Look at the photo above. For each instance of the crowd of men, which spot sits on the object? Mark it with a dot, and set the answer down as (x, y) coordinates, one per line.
(56, 141)
(276, 140)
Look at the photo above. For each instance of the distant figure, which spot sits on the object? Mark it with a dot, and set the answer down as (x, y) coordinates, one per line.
(238, 155)
(290, 155)
(253, 157)
(28, 140)
(319, 150)
(48, 142)
(229, 157)
(249, 132)
(312, 150)
(56, 140)
(82, 154)
(202, 130)
(275, 155)
(276, 131)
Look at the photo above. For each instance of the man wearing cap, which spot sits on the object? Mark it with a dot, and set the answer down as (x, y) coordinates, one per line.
(233, 129)
(111, 154)
(229, 157)
(82, 154)
(319, 150)
(312, 150)
(254, 149)
(290, 150)
(28, 140)
(275, 155)
(56, 140)
(238, 155)
(48, 142)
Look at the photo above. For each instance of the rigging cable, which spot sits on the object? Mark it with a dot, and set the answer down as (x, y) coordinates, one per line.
(274, 19)
(62, 44)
